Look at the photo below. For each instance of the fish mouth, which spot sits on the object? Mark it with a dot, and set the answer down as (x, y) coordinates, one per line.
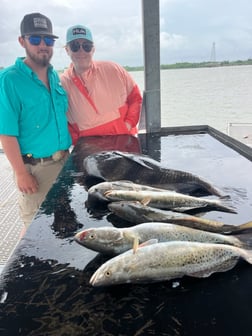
(78, 237)
(93, 280)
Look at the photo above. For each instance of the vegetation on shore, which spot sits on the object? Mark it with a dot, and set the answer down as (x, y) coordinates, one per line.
(185, 65)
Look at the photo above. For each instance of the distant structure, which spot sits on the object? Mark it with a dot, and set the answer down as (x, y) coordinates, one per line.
(213, 53)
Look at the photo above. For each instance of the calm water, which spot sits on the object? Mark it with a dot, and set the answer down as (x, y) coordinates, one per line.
(206, 96)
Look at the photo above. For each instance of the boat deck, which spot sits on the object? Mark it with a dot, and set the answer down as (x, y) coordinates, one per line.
(45, 286)
(10, 224)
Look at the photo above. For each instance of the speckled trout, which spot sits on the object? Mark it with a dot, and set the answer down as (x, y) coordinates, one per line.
(112, 241)
(169, 260)
(168, 200)
(97, 192)
(137, 212)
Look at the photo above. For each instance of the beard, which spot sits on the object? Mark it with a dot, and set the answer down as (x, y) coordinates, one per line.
(41, 58)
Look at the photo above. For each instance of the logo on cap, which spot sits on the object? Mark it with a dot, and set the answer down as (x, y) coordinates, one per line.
(40, 22)
(77, 31)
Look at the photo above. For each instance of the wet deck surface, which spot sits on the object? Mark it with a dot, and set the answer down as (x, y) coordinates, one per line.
(45, 286)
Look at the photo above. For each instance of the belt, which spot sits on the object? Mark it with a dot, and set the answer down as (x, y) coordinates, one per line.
(29, 159)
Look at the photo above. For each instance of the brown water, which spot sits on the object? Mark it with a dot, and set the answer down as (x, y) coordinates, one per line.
(205, 96)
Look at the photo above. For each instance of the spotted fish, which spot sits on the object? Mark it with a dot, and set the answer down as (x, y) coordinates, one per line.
(169, 200)
(112, 241)
(169, 260)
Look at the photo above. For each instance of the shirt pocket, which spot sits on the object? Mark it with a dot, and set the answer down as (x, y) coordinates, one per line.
(34, 111)
(61, 100)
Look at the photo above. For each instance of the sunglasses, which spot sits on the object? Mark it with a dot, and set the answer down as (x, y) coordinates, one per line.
(75, 46)
(36, 40)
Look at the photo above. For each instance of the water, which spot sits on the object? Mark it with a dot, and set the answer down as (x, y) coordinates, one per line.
(205, 96)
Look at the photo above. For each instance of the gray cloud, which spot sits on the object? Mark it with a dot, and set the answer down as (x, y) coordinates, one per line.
(187, 29)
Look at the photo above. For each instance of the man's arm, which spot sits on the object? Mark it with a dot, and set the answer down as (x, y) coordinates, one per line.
(134, 101)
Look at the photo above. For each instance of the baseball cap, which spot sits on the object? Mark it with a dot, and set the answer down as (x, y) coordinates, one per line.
(78, 31)
(36, 23)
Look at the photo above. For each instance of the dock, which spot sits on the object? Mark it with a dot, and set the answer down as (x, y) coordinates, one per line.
(10, 224)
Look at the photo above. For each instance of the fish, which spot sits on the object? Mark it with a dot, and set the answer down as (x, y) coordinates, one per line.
(168, 260)
(137, 212)
(112, 241)
(139, 168)
(97, 191)
(168, 200)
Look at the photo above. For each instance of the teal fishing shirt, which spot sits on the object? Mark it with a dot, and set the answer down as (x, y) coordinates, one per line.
(30, 112)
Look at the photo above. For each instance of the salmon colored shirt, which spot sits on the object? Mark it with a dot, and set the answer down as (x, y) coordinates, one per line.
(101, 100)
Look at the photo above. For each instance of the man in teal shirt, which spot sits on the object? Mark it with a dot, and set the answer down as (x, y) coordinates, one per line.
(33, 123)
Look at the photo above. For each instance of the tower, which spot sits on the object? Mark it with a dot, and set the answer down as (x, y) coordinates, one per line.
(213, 54)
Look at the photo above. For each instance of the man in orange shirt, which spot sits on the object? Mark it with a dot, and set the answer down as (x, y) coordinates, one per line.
(103, 97)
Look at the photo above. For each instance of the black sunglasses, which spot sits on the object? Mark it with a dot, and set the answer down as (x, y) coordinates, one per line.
(75, 46)
(36, 40)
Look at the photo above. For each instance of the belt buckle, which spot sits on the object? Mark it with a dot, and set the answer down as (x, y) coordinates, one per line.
(58, 155)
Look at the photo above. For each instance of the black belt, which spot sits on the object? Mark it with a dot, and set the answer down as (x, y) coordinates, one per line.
(29, 159)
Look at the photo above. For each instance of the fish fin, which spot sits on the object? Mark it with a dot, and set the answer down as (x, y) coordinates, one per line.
(135, 245)
(133, 158)
(129, 235)
(107, 193)
(223, 267)
(145, 200)
(149, 242)
(134, 238)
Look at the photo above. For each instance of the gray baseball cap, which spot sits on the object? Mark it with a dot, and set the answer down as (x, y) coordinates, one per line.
(36, 23)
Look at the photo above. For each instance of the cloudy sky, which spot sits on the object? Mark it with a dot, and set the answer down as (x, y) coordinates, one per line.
(188, 29)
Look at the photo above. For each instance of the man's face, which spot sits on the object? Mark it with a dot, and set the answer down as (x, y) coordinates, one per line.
(39, 49)
(81, 52)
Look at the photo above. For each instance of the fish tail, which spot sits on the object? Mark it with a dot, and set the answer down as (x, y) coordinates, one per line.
(244, 226)
(215, 191)
(209, 188)
(225, 197)
(225, 205)
(245, 240)
(247, 255)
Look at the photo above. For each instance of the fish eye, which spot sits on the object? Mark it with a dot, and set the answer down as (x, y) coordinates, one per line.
(92, 236)
(107, 274)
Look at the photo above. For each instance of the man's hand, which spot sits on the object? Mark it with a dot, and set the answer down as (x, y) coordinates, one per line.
(27, 183)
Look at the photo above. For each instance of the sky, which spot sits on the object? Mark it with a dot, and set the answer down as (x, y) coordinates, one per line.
(190, 30)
